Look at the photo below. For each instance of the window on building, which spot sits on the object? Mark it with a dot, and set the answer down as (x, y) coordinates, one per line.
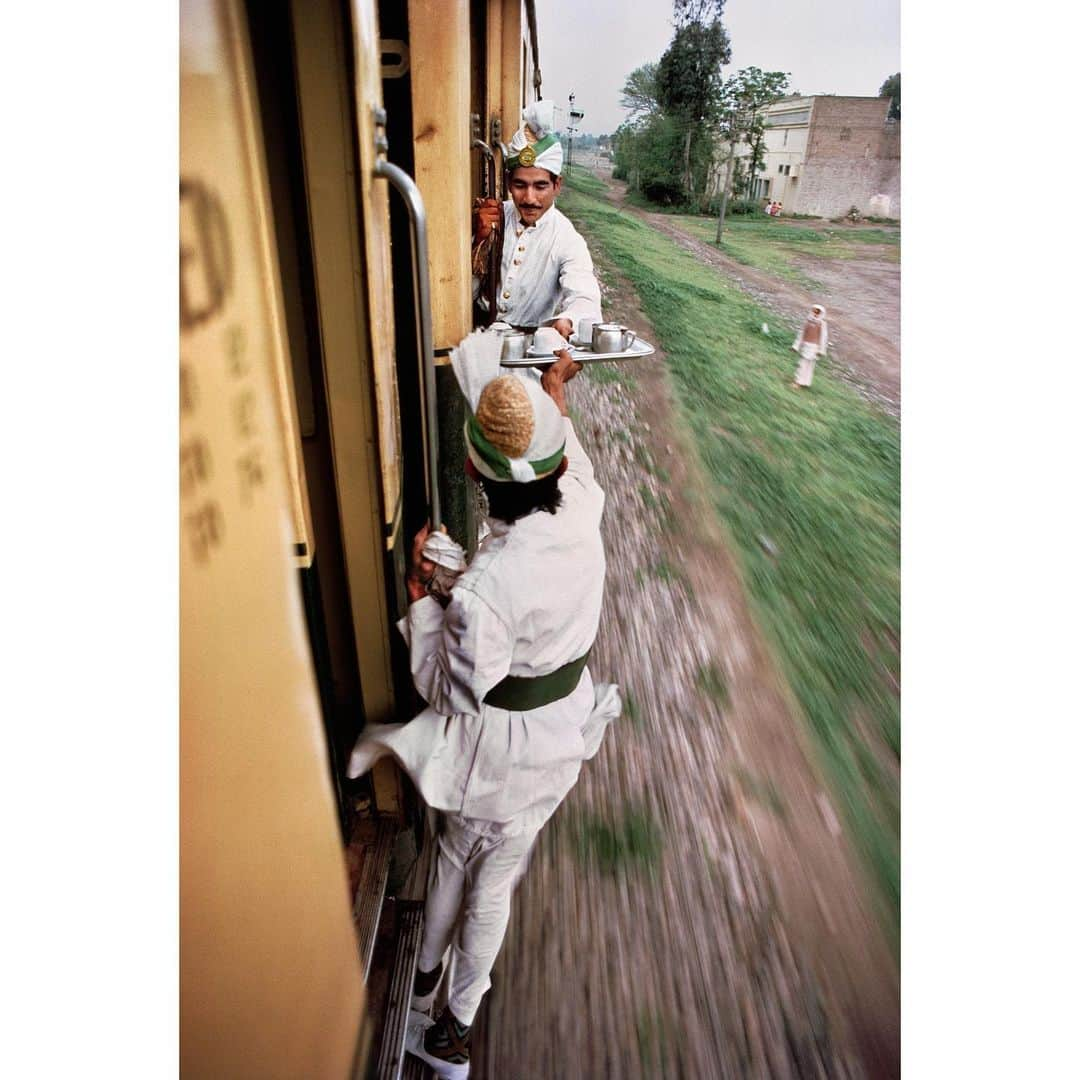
(845, 134)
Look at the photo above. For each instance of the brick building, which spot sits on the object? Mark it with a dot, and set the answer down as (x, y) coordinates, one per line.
(825, 154)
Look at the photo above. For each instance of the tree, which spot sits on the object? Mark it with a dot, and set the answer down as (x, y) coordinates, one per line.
(647, 155)
(697, 11)
(743, 99)
(688, 79)
(639, 92)
(890, 88)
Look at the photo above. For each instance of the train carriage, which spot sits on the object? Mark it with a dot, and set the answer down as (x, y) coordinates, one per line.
(330, 154)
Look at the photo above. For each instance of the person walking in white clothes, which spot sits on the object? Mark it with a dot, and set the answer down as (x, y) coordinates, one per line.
(513, 710)
(811, 342)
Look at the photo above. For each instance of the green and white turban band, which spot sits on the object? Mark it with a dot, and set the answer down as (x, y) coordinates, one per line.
(516, 433)
(536, 142)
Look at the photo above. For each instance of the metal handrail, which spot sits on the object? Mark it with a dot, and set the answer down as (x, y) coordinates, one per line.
(504, 152)
(489, 188)
(491, 178)
(414, 202)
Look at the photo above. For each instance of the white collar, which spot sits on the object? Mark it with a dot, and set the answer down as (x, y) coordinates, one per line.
(545, 217)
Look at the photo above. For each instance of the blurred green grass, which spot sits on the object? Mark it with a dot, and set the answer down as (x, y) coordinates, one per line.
(816, 472)
(634, 840)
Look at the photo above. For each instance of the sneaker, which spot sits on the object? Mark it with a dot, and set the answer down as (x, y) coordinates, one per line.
(425, 985)
(443, 1044)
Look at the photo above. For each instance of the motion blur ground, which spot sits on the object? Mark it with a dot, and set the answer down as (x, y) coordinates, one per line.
(700, 906)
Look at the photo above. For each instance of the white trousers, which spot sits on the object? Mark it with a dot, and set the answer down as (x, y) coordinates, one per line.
(476, 869)
(804, 374)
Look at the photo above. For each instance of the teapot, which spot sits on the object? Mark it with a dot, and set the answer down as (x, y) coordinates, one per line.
(611, 338)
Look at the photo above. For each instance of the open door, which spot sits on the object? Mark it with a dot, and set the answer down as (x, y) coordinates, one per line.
(270, 981)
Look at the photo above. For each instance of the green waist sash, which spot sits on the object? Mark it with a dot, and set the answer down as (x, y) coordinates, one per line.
(519, 693)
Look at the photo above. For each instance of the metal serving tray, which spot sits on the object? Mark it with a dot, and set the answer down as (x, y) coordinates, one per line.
(583, 353)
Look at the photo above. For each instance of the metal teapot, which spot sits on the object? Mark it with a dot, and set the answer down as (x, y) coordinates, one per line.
(611, 338)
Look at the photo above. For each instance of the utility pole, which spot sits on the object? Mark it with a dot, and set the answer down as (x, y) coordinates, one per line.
(570, 139)
(575, 116)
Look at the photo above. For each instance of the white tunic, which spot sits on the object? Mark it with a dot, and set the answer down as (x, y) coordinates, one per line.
(547, 271)
(528, 604)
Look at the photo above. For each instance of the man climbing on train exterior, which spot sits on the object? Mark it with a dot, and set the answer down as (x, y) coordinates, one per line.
(513, 710)
(547, 276)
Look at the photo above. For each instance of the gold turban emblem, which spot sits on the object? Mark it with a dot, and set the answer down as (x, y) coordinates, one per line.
(527, 157)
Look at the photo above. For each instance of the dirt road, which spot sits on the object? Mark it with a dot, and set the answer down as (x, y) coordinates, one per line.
(862, 296)
(694, 909)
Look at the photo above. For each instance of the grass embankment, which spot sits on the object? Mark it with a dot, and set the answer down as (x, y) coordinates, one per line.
(774, 247)
(808, 486)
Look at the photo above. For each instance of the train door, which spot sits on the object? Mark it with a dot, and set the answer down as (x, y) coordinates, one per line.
(270, 979)
(318, 66)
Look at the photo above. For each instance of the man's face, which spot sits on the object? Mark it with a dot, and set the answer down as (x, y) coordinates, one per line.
(533, 191)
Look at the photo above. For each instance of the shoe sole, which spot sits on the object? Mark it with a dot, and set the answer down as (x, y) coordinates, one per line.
(417, 1025)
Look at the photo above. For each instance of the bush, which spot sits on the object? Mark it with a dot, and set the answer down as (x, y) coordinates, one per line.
(649, 154)
(734, 206)
(619, 173)
(662, 189)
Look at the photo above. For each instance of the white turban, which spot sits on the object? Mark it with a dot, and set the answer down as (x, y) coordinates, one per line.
(539, 136)
(517, 432)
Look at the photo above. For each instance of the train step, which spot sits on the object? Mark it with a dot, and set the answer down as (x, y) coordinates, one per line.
(369, 855)
(393, 1063)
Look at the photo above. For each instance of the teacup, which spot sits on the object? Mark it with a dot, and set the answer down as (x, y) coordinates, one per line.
(584, 330)
(514, 345)
(611, 337)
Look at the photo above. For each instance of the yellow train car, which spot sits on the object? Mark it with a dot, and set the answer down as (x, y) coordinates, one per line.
(330, 154)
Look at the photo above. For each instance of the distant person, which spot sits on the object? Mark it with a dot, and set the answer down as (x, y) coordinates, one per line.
(779, 209)
(812, 342)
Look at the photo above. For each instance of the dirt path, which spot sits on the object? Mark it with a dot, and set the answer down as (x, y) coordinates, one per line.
(862, 296)
(738, 942)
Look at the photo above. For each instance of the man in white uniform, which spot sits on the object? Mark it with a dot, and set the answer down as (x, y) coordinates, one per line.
(513, 710)
(547, 274)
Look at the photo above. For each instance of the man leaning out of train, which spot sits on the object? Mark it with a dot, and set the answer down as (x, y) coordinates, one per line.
(546, 276)
(513, 709)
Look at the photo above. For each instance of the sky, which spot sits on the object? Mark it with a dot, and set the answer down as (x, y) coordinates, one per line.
(847, 47)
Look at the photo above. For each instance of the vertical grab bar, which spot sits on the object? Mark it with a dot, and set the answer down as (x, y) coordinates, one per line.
(489, 187)
(414, 202)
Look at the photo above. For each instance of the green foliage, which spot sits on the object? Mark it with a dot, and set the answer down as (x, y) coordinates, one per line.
(688, 80)
(633, 842)
(639, 92)
(743, 99)
(654, 1038)
(890, 88)
(710, 680)
(631, 710)
(688, 77)
(650, 155)
(817, 472)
